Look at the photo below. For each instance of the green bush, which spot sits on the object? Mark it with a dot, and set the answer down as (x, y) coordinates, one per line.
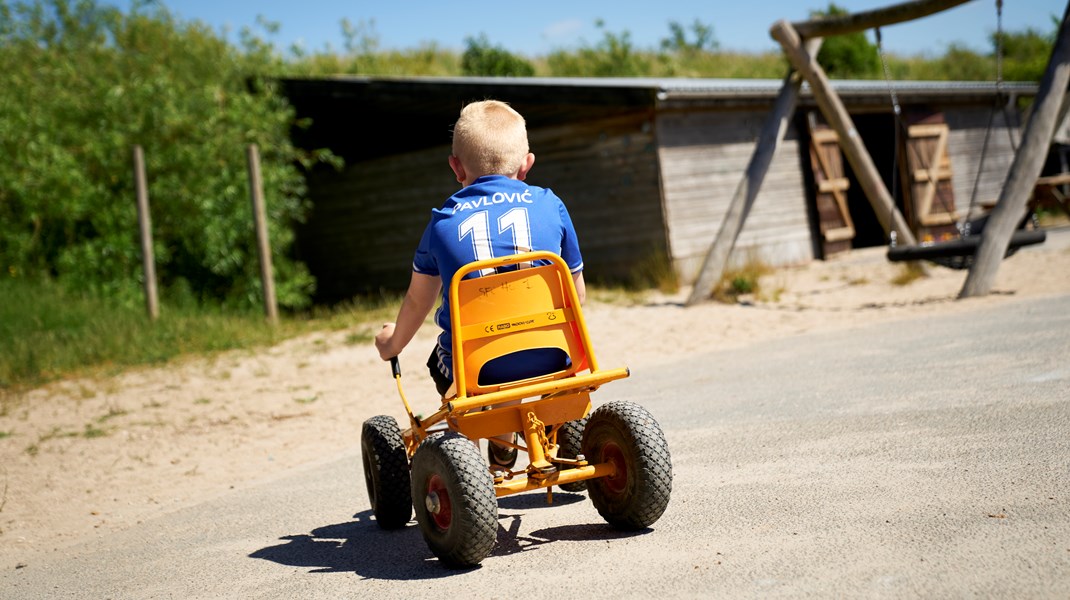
(81, 84)
(1026, 53)
(482, 59)
(613, 56)
(680, 42)
(849, 55)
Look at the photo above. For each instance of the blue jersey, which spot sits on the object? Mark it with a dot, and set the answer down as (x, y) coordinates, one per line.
(494, 217)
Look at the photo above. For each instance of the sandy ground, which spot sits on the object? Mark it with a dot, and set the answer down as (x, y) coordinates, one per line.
(83, 458)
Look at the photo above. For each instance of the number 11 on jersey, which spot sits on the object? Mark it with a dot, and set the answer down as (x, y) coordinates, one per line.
(514, 221)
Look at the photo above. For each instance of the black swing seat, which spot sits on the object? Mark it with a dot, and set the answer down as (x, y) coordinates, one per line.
(959, 253)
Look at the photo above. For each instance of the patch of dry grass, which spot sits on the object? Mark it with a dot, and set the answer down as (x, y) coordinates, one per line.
(909, 272)
(745, 280)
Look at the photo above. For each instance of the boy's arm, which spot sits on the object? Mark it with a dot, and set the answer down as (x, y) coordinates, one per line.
(581, 287)
(418, 302)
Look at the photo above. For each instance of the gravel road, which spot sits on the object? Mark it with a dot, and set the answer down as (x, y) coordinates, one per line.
(920, 458)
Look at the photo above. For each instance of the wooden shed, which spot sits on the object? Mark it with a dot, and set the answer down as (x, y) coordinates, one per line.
(647, 167)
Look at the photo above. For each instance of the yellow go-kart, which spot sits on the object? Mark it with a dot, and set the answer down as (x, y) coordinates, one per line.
(618, 452)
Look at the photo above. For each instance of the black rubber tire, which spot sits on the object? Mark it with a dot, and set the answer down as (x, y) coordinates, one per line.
(570, 438)
(464, 530)
(626, 434)
(386, 471)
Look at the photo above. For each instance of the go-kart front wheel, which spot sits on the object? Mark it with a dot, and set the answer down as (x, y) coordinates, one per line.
(626, 435)
(453, 494)
(386, 471)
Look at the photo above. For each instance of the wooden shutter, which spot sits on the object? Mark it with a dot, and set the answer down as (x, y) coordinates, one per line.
(834, 220)
(930, 196)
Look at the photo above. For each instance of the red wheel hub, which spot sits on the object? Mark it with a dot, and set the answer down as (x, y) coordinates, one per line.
(438, 502)
(618, 482)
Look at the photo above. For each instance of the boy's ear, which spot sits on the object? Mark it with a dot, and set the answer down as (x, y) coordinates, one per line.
(529, 161)
(458, 168)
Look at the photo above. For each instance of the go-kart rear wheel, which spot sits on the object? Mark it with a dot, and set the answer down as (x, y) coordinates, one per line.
(386, 471)
(453, 493)
(626, 435)
(570, 440)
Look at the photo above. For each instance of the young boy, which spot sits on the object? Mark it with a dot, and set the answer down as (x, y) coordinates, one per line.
(494, 214)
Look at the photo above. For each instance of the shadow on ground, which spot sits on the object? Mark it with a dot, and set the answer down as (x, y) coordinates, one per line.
(360, 546)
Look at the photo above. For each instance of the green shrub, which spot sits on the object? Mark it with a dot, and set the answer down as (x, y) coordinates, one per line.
(1026, 53)
(80, 85)
(613, 56)
(482, 59)
(849, 55)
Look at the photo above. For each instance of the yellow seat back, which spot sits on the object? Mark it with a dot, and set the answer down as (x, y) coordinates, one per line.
(502, 313)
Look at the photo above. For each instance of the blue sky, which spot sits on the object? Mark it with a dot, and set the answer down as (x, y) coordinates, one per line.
(539, 26)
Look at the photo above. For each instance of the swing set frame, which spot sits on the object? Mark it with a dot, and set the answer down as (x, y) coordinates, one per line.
(800, 42)
(958, 253)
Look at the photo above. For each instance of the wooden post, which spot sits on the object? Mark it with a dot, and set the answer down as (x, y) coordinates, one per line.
(850, 142)
(144, 223)
(263, 247)
(850, 23)
(1024, 171)
(772, 134)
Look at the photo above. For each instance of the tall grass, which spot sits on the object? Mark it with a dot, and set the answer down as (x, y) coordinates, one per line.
(47, 332)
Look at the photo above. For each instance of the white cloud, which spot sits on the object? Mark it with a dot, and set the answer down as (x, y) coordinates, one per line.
(562, 30)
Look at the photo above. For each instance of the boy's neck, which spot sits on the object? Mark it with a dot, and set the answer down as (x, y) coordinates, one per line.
(471, 181)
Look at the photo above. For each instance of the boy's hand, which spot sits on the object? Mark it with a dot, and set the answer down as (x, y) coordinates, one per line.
(382, 342)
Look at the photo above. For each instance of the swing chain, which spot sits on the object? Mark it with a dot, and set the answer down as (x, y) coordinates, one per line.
(893, 235)
(999, 47)
(887, 74)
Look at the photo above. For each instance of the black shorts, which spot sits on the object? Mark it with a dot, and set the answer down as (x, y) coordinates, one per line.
(442, 382)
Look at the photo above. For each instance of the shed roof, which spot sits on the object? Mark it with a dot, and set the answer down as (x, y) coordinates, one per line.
(363, 115)
(673, 87)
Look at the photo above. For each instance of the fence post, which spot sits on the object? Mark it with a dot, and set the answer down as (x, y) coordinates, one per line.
(263, 247)
(144, 222)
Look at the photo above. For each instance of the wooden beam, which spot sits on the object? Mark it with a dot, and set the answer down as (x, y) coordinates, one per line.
(897, 13)
(1024, 171)
(850, 142)
(769, 139)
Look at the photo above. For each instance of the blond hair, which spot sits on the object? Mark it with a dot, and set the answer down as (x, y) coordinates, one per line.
(490, 138)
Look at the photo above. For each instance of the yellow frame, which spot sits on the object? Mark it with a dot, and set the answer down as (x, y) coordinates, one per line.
(530, 307)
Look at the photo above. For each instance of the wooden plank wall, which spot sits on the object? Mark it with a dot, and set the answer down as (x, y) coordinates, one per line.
(965, 144)
(703, 155)
(367, 219)
(607, 173)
